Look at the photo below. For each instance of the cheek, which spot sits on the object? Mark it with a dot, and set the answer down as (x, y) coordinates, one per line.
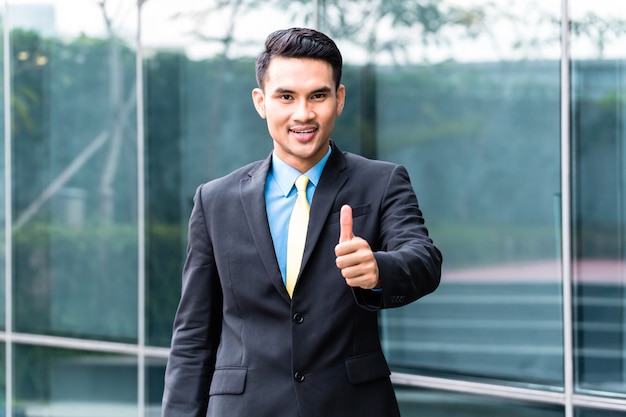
(273, 112)
(330, 116)
(274, 124)
(276, 117)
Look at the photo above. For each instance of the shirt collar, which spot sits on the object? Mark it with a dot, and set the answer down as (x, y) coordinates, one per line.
(285, 175)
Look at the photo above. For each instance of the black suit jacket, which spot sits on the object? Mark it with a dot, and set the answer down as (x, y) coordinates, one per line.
(242, 348)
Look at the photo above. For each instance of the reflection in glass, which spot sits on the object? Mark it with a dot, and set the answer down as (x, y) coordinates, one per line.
(590, 412)
(200, 122)
(155, 372)
(74, 169)
(3, 195)
(424, 403)
(470, 104)
(481, 142)
(57, 382)
(404, 32)
(599, 190)
(3, 384)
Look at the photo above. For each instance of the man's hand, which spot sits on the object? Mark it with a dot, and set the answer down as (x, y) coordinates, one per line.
(354, 255)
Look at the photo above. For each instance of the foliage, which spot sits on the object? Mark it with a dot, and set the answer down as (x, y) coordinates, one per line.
(76, 282)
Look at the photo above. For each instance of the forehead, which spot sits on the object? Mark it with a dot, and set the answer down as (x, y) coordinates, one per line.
(298, 73)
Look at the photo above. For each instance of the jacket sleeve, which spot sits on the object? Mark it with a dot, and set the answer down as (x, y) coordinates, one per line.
(409, 264)
(197, 325)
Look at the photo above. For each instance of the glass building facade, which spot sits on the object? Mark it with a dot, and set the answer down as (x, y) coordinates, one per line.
(510, 117)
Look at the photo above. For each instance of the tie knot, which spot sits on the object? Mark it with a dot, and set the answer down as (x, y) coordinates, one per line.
(301, 183)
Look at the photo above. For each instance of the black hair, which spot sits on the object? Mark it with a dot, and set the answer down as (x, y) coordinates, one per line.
(299, 43)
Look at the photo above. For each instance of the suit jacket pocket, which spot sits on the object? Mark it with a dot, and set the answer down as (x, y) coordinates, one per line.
(367, 367)
(356, 212)
(228, 381)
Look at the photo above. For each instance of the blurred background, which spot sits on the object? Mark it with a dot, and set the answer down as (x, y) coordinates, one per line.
(510, 117)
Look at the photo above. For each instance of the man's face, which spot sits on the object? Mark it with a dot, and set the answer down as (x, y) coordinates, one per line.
(300, 103)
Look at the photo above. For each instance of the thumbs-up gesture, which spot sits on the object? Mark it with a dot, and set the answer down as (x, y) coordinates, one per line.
(354, 255)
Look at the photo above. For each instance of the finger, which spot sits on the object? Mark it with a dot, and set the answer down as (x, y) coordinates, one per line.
(345, 221)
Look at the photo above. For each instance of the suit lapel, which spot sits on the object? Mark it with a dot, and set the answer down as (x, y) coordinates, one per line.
(252, 191)
(332, 180)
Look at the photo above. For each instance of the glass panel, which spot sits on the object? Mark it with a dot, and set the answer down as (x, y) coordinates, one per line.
(423, 403)
(2, 179)
(599, 195)
(590, 412)
(74, 165)
(155, 372)
(3, 384)
(469, 102)
(57, 382)
(200, 122)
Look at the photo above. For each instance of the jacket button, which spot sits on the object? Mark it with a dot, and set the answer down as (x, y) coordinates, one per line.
(297, 317)
(299, 376)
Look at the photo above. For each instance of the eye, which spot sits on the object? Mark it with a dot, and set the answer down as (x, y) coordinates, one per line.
(318, 96)
(285, 97)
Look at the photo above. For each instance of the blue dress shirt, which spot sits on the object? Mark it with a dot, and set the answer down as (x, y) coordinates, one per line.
(280, 197)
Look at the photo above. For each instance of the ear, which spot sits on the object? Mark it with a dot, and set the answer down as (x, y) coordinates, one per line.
(258, 98)
(341, 98)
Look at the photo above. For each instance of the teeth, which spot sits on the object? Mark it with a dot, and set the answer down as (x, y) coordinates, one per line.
(304, 131)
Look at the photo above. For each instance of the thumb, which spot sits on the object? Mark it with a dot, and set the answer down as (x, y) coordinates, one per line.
(345, 221)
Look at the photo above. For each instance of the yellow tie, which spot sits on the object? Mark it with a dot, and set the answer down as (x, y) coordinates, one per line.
(297, 234)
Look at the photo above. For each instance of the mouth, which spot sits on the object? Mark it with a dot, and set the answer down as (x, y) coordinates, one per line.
(303, 133)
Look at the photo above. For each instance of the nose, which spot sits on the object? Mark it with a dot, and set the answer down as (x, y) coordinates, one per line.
(303, 111)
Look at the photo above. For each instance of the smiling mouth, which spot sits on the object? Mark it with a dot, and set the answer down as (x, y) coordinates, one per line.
(302, 132)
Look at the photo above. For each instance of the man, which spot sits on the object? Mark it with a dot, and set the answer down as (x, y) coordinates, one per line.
(251, 337)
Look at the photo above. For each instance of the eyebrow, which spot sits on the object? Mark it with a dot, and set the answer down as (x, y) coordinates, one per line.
(281, 90)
